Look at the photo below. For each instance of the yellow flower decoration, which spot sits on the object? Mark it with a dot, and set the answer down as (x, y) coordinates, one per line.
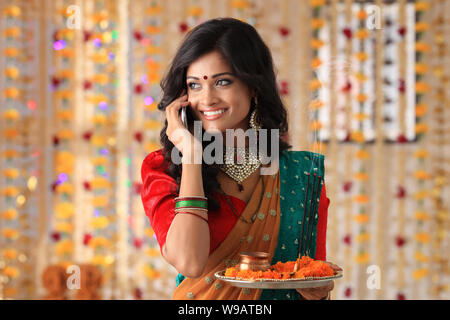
(360, 116)
(421, 6)
(361, 15)
(316, 3)
(420, 195)
(316, 104)
(9, 214)
(421, 128)
(316, 63)
(422, 87)
(11, 272)
(154, 10)
(102, 261)
(11, 92)
(316, 43)
(361, 218)
(362, 34)
(240, 4)
(315, 125)
(9, 153)
(64, 94)
(151, 50)
(317, 23)
(99, 242)
(361, 97)
(422, 237)
(152, 107)
(66, 134)
(100, 201)
(421, 175)
(11, 52)
(318, 147)
(360, 176)
(100, 222)
(65, 53)
(65, 227)
(152, 252)
(64, 210)
(100, 57)
(99, 161)
(100, 183)
(12, 72)
(152, 125)
(98, 140)
(150, 272)
(11, 173)
(362, 258)
(422, 47)
(10, 233)
(361, 56)
(361, 77)
(421, 110)
(66, 73)
(9, 254)
(10, 191)
(195, 11)
(363, 237)
(421, 216)
(100, 119)
(64, 247)
(64, 115)
(152, 146)
(64, 162)
(100, 78)
(420, 273)
(315, 84)
(419, 256)
(12, 32)
(361, 199)
(153, 77)
(65, 187)
(357, 136)
(421, 26)
(362, 154)
(12, 11)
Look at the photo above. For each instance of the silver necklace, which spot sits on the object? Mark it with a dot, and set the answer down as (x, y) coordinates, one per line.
(250, 162)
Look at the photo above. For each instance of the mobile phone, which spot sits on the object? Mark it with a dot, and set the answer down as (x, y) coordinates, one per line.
(183, 116)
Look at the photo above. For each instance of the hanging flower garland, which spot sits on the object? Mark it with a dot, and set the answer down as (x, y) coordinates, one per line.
(362, 198)
(421, 175)
(103, 39)
(315, 85)
(62, 84)
(195, 13)
(12, 113)
(440, 181)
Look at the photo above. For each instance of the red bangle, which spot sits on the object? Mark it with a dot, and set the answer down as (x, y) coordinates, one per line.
(195, 214)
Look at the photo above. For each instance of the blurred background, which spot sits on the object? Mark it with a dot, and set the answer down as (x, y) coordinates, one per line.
(365, 82)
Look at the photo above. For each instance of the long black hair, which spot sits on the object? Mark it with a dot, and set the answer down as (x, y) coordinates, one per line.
(250, 60)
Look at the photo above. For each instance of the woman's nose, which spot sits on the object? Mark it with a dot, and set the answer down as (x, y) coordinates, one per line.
(208, 97)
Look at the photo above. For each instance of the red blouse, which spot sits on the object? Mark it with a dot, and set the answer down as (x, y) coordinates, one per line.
(158, 197)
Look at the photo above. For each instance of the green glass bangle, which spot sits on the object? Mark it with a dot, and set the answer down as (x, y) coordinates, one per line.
(191, 203)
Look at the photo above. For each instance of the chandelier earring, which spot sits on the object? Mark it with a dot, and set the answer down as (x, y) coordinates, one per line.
(254, 123)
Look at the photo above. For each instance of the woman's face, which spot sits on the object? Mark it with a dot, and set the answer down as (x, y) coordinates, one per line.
(212, 87)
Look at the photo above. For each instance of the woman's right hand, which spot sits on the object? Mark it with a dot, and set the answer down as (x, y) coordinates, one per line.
(176, 132)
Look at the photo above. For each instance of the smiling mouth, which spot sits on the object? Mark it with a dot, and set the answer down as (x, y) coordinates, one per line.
(212, 115)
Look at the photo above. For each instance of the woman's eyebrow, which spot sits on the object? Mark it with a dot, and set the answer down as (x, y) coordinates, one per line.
(214, 76)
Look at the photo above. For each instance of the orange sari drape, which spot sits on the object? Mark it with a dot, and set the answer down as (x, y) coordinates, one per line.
(261, 234)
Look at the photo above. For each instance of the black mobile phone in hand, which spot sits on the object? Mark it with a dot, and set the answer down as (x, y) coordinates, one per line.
(183, 117)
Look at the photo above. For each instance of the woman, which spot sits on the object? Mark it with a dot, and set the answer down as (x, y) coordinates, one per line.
(223, 75)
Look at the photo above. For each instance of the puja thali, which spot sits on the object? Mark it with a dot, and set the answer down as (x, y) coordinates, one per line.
(293, 283)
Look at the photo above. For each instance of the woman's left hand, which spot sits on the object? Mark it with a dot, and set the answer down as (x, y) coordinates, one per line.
(316, 293)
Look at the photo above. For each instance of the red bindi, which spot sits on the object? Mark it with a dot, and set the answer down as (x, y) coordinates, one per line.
(205, 77)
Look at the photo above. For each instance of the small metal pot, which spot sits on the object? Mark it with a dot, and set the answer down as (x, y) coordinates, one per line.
(254, 261)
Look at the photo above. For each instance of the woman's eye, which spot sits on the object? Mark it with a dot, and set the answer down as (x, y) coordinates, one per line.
(193, 85)
(223, 82)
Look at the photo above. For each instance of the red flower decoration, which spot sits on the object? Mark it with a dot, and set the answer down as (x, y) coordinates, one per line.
(347, 186)
(348, 292)
(56, 236)
(347, 137)
(87, 85)
(56, 82)
(138, 89)
(55, 140)
(87, 135)
(401, 296)
(137, 35)
(137, 187)
(87, 186)
(347, 87)
(347, 239)
(401, 192)
(347, 32)
(138, 136)
(402, 31)
(87, 238)
(402, 139)
(138, 294)
(183, 27)
(400, 241)
(87, 35)
(401, 86)
(284, 31)
(137, 243)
